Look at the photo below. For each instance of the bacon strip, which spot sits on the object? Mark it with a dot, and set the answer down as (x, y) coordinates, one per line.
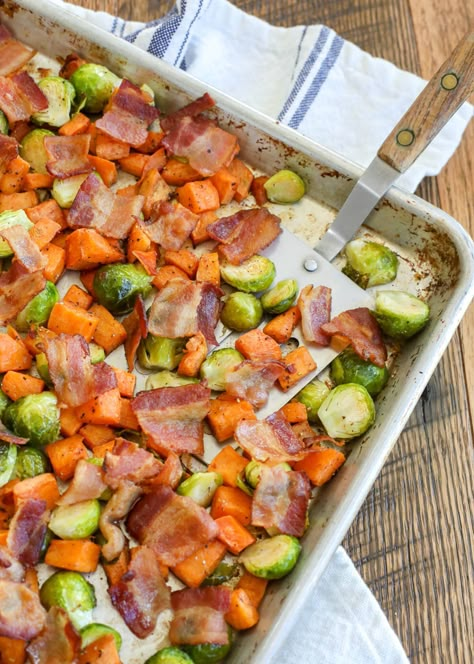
(17, 288)
(128, 115)
(10, 568)
(183, 308)
(20, 97)
(136, 327)
(281, 501)
(361, 329)
(10, 438)
(13, 54)
(127, 461)
(252, 380)
(314, 303)
(59, 641)
(173, 526)
(21, 614)
(199, 616)
(67, 155)
(87, 484)
(170, 474)
(25, 249)
(271, 439)
(117, 507)
(171, 225)
(8, 150)
(92, 206)
(27, 531)
(141, 594)
(196, 107)
(125, 212)
(247, 232)
(173, 416)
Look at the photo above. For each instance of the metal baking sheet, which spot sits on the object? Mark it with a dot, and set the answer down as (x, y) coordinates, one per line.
(436, 262)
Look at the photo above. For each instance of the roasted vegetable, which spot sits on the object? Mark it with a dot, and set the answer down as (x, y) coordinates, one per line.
(64, 191)
(347, 411)
(35, 417)
(71, 592)
(8, 456)
(94, 84)
(312, 396)
(167, 378)
(4, 401)
(272, 558)
(12, 218)
(241, 312)
(170, 655)
(60, 95)
(400, 314)
(38, 309)
(369, 263)
(30, 462)
(201, 487)
(4, 127)
(255, 274)
(160, 352)
(42, 367)
(348, 367)
(94, 631)
(285, 186)
(33, 151)
(253, 471)
(217, 365)
(225, 571)
(117, 285)
(209, 653)
(280, 298)
(75, 521)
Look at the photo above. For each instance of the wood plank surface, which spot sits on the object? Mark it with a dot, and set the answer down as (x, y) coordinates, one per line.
(413, 538)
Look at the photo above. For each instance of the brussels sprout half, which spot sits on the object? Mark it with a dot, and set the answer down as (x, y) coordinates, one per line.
(399, 314)
(312, 396)
(8, 455)
(241, 312)
(225, 571)
(167, 379)
(160, 352)
(33, 151)
(30, 462)
(65, 191)
(255, 274)
(75, 521)
(71, 592)
(169, 655)
(369, 263)
(209, 653)
(4, 401)
(347, 411)
(12, 218)
(280, 298)
(95, 84)
(272, 558)
(285, 186)
(201, 487)
(60, 95)
(94, 631)
(217, 365)
(117, 285)
(35, 417)
(38, 309)
(4, 126)
(348, 367)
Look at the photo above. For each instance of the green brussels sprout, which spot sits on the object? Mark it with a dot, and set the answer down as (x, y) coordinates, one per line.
(96, 352)
(4, 401)
(312, 396)
(170, 655)
(4, 126)
(217, 365)
(347, 411)
(65, 191)
(348, 367)
(35, 417)
(255, 274)
(94, 631)
(42, 367)
(209, 653)
(369, 263)
(38, 309)
(71, 592)
(253, 471)
(241, 312)
(30, 462)
(241, 483)
(167, 379)
(60, 95)
(96, 84)
(12, 218)
(225, 571)
(201, 487)
(285, 187)
(280, 298)
(33, 151)
(399, 314)
(75, 521)
(117, 285)
(160, 352)
(272, 558)
(8, 456)
(148, 91)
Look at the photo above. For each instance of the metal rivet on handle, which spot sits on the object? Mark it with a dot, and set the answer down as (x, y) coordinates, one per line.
(449, 81)
(310, 265)
(405, 137)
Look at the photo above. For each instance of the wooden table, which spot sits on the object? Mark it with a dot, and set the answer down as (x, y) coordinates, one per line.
(413, 540)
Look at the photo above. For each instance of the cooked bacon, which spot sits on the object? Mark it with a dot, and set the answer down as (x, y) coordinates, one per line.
(87, 484)
(206, 147)
(8, 150)
(58, 643)
(76, 380)
(20, 97)
(25, 249)
(136, 327)
(67, 155)
(199, 616)
(171, 225)
(225, 229)
(21, 614)
(252, 380)
(141, 594)
(117, 508)
(314, 303)
(170, 474)
(361, 329)
(128, 115)
(27, 531)
(13, 54)
(258, 229)
(281, 501)
(92, 205)
(10, 568)
(183, 308)
(271, 439)
(173, 416)
(127, 461)
(173, 526)
(125, 212)
(17, 288)
(196, 107)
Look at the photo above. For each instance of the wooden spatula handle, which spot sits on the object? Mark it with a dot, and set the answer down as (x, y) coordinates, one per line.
(446, 91)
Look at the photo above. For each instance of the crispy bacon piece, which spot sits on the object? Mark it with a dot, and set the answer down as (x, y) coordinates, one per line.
(10, 568)
(92, 205)
(252, 380)
(87, 484)
(171, 225)
(10, 438)
(271, 439)
(314, 303)
(117, 507)
(25, 249)
(67, 155)
(20, 97)
(170, 474)
(173, 416)
(136, 327)
(21, 614)
(196, 107)
(361, 329)
(183, 308)
(58, 642)
(128, 115)
(245, 233)
(199, 616)
(13, 54)
(141, 594)
(8, 150)
(127, 461)
(27, 531)
(281, 501)
(125, 212)
(17, 288)
(173, 526)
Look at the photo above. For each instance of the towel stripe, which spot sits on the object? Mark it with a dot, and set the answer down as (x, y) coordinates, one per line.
(184, 43)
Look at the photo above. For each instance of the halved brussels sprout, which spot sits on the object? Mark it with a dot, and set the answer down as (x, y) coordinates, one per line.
(95, 84)
(255, 274)
(253, 471)
(160, 352)
(347, 411)
(33, 151)
(272, 558)
(42, 367)
(399, 314)
(4, 401)
(201, 487)
(30, 462)
(369, 263)
(96, 352)
(241, 312)
(242, 484)
(60, 95)
(71, 592)
(217, 365)
(168, 379)
(94, 631)
(280, 298)
(4, 126)
(209, 653)
(312, 396)
(75, 521)
(8, 456)
(65, 191)
(12, 218)
(170, 655)
(285, 186)
(117, 286)
(38, 309)
(225, 571)
(35, 417)
(348, 367)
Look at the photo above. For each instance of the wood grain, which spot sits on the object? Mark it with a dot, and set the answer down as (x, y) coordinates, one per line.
(413, 538)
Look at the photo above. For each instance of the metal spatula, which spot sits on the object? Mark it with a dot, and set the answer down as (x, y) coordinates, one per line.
(447, 90)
